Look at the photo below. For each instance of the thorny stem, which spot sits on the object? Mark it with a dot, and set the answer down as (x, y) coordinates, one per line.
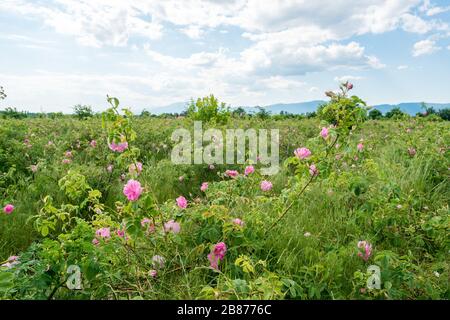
(291, 204)
(301, 191)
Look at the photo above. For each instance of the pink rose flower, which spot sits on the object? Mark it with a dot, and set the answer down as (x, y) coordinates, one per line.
(93, 143)
(217, 254)
(249, 170)
(238, 222)
(132, 190)
(103, 232)
(313, 170)
(110, 168)
(66, 161)
(302, 153)
(118, 147)
(412, 152)
(360, 147)
(135, 168)
(366, 250)
(8, 209)
(231, 173)
(182, 202)
(266, 185)
(34, 168)
(324, 133)
(172, 226)
(204, 186)
(68, 154)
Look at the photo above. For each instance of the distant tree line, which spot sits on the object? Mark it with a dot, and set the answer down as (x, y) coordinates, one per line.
(397, 113)
(210, 109)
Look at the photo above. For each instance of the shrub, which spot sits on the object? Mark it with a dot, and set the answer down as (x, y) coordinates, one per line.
(208, 109)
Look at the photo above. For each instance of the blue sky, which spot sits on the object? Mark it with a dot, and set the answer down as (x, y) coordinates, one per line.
(58, 53)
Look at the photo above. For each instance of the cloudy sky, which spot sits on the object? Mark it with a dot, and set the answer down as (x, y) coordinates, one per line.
(57, 53)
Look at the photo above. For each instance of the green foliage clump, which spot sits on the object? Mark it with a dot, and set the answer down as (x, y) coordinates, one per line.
(208, 109)
(342, 111)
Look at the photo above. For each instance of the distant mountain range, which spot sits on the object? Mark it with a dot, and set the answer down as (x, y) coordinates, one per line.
(303, 107)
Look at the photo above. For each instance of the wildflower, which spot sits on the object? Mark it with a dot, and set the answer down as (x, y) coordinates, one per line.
(118, 147)
(231, 173)
(313, 171)
(95, 242)
(68, 154)
(132, 190)
(121, 233)
(412, 152)
(93, 143)
(147, 222)
(204, 186)
(8, 209)
(181, 178)
(367, 250)
(34, 168)
(110, 168)
(302, 153)
(360, 147)
(249, 170)
(12, 261)
(238, 222)
(103, 233)
(66, 161)
(172, 226)
(153, 273)
(307, 234)
(217, 254)
(399, 206)
(182, 202)
(266, 185)
(135, 168)
(436, 274)
(158, 262)
(324, 133)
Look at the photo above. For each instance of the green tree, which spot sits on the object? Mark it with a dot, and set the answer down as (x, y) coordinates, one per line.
(375, 114)
(395, 113)
(208, 109)
(444, 114)
(239, 112)
(262, 113)
(83, 111)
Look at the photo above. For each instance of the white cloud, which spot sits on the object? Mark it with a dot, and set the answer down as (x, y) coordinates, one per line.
(402, 67)
(313, 89)
(193, 32)
(92, 23)
(431, 10)
(347, 78)
(424, 47)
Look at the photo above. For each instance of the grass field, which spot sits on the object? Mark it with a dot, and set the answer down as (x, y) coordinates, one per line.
(384, 203)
